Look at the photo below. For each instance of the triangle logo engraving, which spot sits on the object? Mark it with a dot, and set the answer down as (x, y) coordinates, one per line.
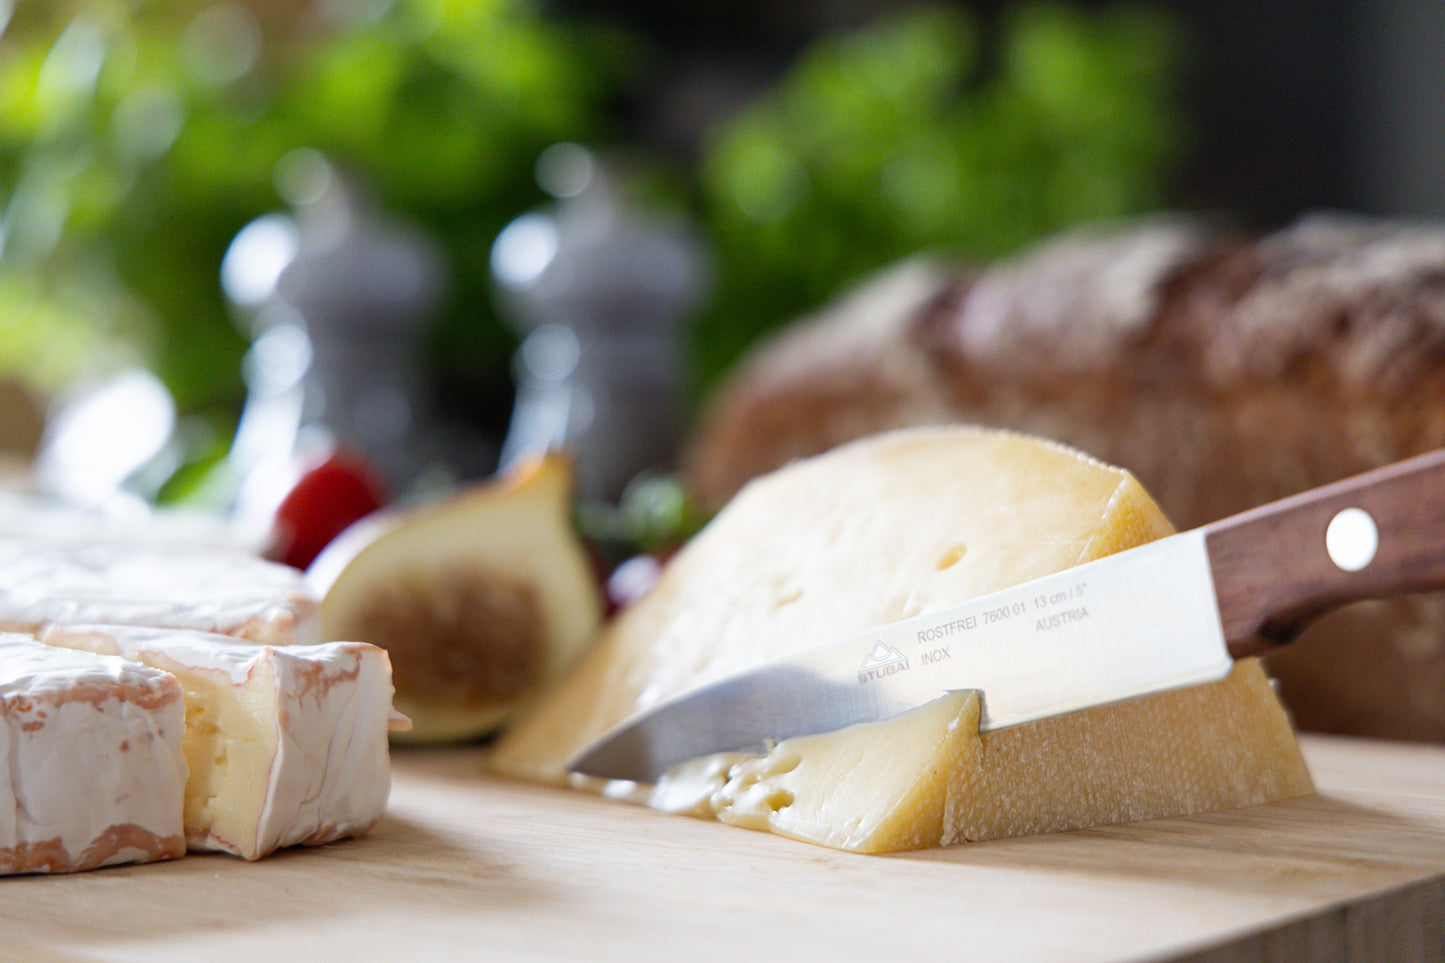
(881, 660)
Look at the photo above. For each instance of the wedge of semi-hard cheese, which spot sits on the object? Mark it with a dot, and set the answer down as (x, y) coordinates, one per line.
(90, 748)
(46, 580)
(884, 529)
(286, 745)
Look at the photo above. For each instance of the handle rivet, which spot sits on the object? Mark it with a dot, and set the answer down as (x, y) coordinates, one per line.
(1352, 539)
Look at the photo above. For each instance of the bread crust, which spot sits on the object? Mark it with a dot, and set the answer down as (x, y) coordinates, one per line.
(1223, 368)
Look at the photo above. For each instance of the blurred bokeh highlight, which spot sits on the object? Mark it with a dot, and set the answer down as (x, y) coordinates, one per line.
(439, 233)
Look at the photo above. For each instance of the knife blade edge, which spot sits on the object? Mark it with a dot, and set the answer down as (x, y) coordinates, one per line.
(1157, 599)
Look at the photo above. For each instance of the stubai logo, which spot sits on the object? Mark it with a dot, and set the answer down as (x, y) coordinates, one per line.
(881, 660)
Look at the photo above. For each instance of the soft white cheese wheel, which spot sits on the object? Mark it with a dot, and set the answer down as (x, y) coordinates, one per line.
(46, 580)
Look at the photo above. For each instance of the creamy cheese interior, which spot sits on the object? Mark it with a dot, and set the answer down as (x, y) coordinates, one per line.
(230, 745)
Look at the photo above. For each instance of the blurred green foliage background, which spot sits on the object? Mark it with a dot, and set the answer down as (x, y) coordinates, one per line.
(138, 136)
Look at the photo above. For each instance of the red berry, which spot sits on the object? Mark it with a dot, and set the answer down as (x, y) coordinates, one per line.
(324, 501)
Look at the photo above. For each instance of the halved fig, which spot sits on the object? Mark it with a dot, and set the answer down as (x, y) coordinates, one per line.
(481, 599)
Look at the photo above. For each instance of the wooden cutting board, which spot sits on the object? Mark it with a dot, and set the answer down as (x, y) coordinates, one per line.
(469, 866)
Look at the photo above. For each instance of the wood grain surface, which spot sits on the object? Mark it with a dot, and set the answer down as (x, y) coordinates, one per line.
(468, 866)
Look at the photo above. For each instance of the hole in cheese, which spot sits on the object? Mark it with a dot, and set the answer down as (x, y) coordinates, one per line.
(952, 556)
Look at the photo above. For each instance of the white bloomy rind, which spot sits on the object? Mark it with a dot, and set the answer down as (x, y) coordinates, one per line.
(91, 751)
(45, 581)
(287, 744)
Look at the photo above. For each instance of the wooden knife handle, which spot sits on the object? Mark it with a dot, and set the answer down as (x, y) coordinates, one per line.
(1277, 567)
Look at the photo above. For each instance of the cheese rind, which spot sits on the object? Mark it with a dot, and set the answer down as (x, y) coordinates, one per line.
(92, 749)
(202, 587)
(1221, 745)
(880, 530)
(287, 745)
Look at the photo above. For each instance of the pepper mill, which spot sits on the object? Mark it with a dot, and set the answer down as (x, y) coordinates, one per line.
(335, 297)
(598, 291)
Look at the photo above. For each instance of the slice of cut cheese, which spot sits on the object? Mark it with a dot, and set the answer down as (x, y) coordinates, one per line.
(829, 788)
(946, 783)
(90, 752)
(286, 745)
(880, 530)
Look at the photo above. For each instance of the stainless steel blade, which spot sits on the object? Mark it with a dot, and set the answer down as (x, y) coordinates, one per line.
(1140, 621)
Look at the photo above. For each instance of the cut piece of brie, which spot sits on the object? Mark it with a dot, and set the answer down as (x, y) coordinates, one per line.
(286, 744)
(879, 530)
(204, 587)
(90, 749)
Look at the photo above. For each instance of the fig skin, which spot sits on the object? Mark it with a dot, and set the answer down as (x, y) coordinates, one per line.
(482, 599)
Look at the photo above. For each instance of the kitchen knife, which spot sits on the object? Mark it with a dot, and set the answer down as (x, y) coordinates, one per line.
(1170, 613)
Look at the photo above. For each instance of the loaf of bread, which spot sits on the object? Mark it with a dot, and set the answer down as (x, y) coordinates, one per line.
(1223, 368)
